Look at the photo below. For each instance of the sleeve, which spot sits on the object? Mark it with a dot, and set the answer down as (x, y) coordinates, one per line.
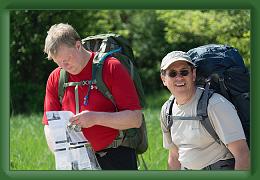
(166, 133)
(51, 100)
(120, 84)
(225, 119)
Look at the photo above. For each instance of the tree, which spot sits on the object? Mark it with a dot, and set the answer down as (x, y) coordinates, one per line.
(152, 34)
(186, 29)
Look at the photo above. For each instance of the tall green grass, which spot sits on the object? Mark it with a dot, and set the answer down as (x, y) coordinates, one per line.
(28, 147)
(29, 150)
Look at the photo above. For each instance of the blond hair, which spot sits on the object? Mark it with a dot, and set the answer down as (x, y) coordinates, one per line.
(59, 34)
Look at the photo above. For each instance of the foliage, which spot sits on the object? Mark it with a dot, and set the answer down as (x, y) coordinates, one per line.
(192, 28)
(152, 34)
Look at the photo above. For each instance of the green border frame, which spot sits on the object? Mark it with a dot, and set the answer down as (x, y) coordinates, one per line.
(6, 5)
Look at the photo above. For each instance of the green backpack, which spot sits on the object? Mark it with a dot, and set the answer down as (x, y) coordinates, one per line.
(106, 45)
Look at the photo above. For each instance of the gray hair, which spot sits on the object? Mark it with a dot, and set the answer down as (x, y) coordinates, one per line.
(59, 34)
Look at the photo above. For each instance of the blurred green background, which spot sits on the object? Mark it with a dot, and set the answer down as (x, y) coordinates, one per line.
(152, 34)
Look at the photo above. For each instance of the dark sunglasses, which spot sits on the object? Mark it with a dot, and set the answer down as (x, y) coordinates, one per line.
(174, 73)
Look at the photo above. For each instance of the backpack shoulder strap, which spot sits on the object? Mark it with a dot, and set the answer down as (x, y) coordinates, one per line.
(202, 112)
(167, 116)
(62, 80)
(97, 70)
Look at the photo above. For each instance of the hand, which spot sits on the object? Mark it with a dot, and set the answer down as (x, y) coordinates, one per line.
(85, 119)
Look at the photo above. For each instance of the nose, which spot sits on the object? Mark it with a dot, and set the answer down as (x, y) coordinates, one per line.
(178, 76)
(63, 61)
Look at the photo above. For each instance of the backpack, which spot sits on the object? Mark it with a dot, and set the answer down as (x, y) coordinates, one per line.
(111, 45)
(220, 69)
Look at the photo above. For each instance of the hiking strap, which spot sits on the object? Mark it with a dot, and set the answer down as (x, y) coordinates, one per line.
(61, 89)
(188, 118)
(76, 90)
(202, 113)
(118, 141)
(77, 98)
(131, 69)
(168, 118)
(97, 67)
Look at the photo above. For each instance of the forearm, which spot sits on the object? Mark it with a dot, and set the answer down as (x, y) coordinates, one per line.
(240, 151)
(174, 165)
(117, 120)
(173, 162)
(120, 120)
(242, 162)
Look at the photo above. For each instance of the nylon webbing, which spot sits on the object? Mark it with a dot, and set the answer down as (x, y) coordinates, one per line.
(82, 83)
(76, 90)
(77, 98)
(198, 118)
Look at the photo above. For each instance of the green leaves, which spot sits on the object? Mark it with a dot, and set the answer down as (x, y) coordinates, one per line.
(152, 34)
(190, 28)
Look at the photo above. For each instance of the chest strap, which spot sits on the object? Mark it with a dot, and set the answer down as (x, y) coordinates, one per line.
(119, 139)
(76, 90)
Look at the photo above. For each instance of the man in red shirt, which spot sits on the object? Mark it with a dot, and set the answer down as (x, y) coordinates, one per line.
(99, 120)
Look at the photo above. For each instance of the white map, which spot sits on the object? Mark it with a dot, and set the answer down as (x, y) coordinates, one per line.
(72, 150)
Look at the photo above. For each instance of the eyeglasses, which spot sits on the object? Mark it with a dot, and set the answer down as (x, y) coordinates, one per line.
(174, 73)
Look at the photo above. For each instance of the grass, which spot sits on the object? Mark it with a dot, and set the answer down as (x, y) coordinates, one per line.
(28, 147)
(29, 150)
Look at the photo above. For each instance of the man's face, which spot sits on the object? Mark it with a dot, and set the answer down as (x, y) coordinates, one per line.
(69, 58)
(180, 78)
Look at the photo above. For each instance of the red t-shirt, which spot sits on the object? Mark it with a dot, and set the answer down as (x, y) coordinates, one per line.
(119, 83)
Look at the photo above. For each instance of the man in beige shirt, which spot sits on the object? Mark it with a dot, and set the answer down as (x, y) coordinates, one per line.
(190, 145)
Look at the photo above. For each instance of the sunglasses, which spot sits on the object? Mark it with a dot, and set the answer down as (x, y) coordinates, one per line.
(174, 73)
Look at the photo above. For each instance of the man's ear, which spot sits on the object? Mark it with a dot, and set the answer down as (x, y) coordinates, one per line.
(163, 80)
(78, 45)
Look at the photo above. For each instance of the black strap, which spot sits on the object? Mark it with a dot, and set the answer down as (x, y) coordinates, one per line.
(168, 120)
(202, 113)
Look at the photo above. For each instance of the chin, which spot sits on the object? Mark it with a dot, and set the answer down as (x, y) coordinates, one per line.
(71, 71)
(180, 90)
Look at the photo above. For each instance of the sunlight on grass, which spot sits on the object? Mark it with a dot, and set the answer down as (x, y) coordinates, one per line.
(28, 148)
